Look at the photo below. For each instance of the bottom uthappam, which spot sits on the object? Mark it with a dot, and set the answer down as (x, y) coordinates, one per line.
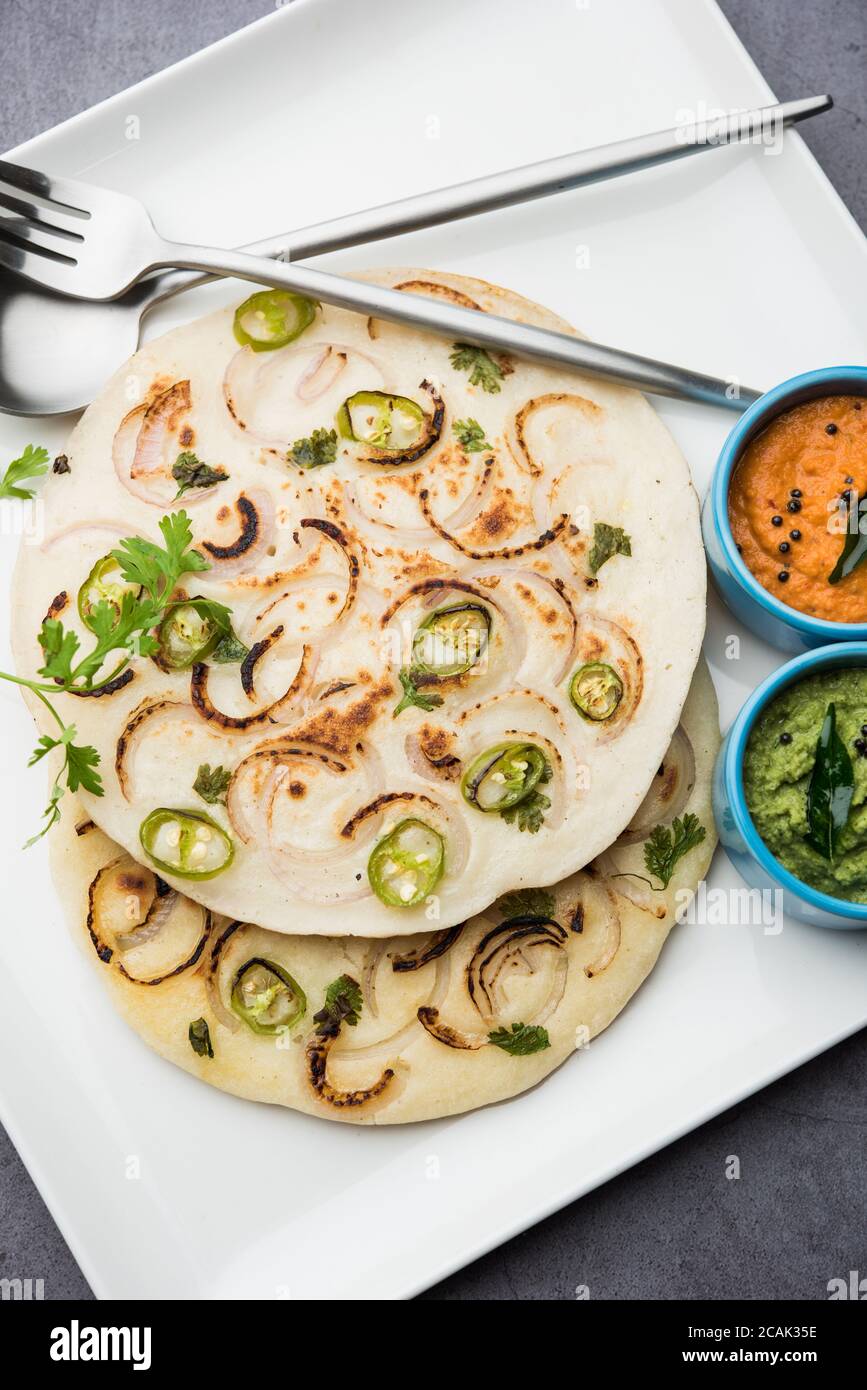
(390, 1031)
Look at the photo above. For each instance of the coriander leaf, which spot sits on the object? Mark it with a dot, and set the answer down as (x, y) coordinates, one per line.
(470, 436)
(607, 541)
(58, 648)
(229, 650)
(81, 762)
(320, 448)
(483, 370)
(189, 472)
(155, 568)
(521, 1040)
(343, 1001)
(31, 464)
(200, 1038)
(528, 813)
(211, 784)
(527, 902)
(412, 695)
(665, 846)
(832, 786)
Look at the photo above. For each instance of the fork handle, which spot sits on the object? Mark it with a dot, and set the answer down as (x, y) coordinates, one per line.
(511, 187)
(465, 325)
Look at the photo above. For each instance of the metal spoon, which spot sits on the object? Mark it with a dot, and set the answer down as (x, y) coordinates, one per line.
(57, 353)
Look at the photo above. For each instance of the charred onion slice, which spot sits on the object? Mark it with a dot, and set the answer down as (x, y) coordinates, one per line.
(255, 654)
(110, 688)
(316, 1053)
(284, 705)
(506, 552)
(506, 948)
(669, 791)
(124, 904)
(277, 754)
(266, 997)
(395, 427)
(186, 844)
(406, 865)
(522, 453)
(432, 949)
(249, 533)
(139, 448)
(141, 716)
(451, 640)
(634, 887)
(595, 691)
(430, 1020)
(503, 776)
(602, 895)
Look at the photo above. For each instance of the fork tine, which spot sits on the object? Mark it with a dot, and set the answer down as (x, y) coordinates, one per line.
(14, 230)
(67, 195)
(61, 224)
(53, 275)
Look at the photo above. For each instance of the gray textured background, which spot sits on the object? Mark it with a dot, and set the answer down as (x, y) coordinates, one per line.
(674, 1227)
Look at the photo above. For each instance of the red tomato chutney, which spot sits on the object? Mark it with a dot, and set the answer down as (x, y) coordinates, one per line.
(789, 497)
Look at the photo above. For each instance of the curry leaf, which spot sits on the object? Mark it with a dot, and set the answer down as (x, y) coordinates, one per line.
(829, 795)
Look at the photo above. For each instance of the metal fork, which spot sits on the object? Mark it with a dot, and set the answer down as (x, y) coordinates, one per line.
(91, 243)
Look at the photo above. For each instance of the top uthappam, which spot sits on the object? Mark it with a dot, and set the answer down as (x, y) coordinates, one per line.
(465, 599)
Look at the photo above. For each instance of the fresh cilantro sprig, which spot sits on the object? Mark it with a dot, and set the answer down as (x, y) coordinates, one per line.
(412, 694)
(189, 472)
(319, 448)
(470, 435)
(666, 846)
(33, 463)
(211, 784)
(482, 368)
(521, 1039)
(154, 570)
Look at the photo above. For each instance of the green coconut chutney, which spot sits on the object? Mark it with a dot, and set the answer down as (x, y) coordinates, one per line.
(778, 765)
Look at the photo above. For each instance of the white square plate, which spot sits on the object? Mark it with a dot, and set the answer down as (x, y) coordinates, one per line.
(738, 262)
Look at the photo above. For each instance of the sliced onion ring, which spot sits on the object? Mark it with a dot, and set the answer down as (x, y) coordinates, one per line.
(669, 791)
(127, 744)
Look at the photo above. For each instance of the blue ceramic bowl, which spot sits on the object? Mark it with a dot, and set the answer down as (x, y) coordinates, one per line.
(740, 839)
(776, 622)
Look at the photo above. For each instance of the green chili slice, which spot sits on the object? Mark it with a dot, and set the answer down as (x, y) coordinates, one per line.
(451, 640)
(189, 633)
(381, 420)
(103, 585)
(272, 318)
(406, 865)
(503, 775)
(596, 690)
(187, 844)
(267, 997)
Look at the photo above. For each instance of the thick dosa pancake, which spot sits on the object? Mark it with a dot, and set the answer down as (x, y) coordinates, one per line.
(429, 1005)
(553, 514)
